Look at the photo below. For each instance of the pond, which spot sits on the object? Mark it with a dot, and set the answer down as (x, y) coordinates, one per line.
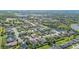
(75, 27)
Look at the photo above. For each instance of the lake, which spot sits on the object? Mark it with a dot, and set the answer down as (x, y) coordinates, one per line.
(75, 27)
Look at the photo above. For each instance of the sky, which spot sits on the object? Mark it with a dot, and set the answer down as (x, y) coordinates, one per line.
(38, 4)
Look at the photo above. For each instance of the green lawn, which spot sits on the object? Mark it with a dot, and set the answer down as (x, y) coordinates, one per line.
(44, 47)
(70, 47)
(2, 40)
(62, 41)
(65, 40)
(78, 30)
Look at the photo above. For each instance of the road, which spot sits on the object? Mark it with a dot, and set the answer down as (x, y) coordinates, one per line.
(17, 35)
(76, 47)
(33, 24)
(54, 47)
(30, 22)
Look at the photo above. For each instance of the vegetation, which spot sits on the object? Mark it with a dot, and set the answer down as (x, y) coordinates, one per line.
(65, 40)
(44, 47)
(2, 37)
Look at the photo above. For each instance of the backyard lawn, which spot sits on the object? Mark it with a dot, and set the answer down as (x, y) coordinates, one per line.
(44, 47)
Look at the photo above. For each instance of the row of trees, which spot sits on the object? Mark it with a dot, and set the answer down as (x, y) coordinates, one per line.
(2, 37)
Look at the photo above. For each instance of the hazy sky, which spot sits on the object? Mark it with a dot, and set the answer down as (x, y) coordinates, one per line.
(39, 4)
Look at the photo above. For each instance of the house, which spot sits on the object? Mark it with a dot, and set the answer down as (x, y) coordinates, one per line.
(23, 45)
(12, 43)
(69, 43)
